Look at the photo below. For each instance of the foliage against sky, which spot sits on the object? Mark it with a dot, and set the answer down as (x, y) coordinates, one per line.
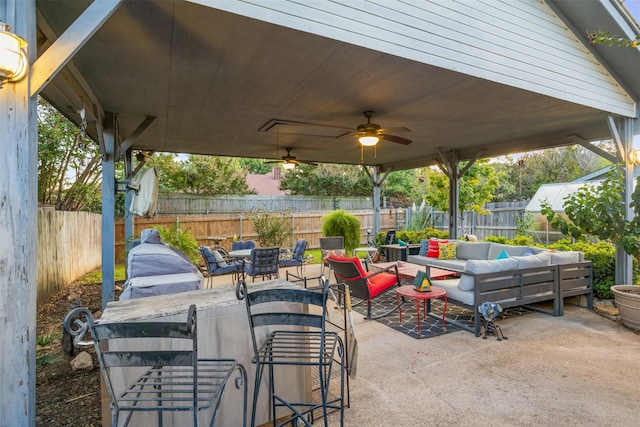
(69, 164)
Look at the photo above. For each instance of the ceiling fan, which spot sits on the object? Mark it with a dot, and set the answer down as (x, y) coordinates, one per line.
(290, 162)
(369, 134)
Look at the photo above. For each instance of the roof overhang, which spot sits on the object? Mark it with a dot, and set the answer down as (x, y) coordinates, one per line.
(223, 84)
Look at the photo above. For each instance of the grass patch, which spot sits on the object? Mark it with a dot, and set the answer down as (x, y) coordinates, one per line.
(317, 255)
(96, 276)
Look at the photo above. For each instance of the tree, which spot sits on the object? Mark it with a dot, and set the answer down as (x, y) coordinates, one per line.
(476, 187)
(327, 180)
(401, 188)
(201, 175)
(69, 164)
(599, 211)
(525, 175)
(257, 166)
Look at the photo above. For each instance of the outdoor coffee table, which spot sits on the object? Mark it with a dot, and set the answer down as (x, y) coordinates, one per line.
(409, 291)
(408, 271)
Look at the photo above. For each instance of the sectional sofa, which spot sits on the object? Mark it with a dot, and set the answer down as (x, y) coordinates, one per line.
(511, 276)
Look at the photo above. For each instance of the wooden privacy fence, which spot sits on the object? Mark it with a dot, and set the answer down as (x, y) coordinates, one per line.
(502, 220)
(306, 225)
(69, 245)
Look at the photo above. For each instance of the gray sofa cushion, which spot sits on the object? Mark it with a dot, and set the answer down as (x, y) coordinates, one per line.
(496, 248)
(568, 257)
(473, 250)
(542, 259)
(484, 266)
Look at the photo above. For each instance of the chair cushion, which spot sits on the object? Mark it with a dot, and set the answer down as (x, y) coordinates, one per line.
(355, 260)
(380, 283)
(217, 258)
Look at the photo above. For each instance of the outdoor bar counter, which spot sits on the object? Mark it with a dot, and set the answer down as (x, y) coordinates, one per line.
(223, 332)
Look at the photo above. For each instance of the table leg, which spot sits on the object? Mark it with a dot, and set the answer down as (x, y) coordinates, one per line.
(418, 312)
(444, 311)
(399, 306)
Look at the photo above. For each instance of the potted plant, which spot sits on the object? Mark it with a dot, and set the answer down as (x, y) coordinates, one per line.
(341, 223)
(627, 299)
(600, 211)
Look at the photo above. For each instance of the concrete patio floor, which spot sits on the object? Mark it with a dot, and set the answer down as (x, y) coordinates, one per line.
(581, 369)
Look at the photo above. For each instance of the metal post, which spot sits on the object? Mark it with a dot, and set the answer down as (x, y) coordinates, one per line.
(129, 218)
(108, 211)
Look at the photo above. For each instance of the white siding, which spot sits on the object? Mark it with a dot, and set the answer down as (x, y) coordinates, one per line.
(517, 43)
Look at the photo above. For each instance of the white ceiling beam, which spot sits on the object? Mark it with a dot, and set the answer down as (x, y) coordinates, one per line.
(599, 151)
(65, 47)
(127, 143)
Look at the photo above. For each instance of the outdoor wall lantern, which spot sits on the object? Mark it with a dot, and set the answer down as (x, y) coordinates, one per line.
(634, 157)
(13, 60)
(369, 139)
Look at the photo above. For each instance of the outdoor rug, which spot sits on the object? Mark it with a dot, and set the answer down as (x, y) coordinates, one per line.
(432, 325)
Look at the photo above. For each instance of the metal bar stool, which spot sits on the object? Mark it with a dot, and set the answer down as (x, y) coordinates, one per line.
(175, 380)
(301, 342)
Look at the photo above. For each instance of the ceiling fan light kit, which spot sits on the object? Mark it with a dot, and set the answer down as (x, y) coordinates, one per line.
(368, 140)
(289, 165)
(369, 134)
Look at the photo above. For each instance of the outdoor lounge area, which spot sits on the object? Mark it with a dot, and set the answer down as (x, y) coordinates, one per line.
(576, 369)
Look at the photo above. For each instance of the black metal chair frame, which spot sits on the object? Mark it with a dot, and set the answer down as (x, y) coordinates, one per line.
(347, 272)
(330, 243)
(232, 267)
(297, 257)
(263, 262)
(175, 380)
(304, 342)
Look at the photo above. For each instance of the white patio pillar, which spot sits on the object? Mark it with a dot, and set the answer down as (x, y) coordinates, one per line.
(18, 231)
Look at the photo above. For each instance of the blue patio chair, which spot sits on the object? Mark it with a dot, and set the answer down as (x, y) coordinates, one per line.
(243, 244)
(297, 257)
(217, 266)
(263, 262)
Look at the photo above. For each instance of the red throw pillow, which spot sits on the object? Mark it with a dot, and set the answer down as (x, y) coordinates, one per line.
(434, 250)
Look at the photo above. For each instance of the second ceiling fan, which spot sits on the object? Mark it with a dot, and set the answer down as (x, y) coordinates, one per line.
(290, 162)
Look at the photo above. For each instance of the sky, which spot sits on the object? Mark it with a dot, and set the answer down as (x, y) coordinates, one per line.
(634, 8)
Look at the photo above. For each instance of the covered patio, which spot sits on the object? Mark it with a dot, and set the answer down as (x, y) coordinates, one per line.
(248, 78)
(574, 370)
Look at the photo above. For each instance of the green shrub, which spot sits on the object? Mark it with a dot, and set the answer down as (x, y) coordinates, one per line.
(522, 241)
(496, 239)
(274, 229)
(181, 240)
(425, 234)
(341, 223)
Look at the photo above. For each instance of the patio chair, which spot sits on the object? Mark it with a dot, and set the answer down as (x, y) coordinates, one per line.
(243, 244)
(263, 262)
(365, 286)
(297, 342)
(174, 380)
(330, 246)
(217, 266)
(390, 237)
(297, 257)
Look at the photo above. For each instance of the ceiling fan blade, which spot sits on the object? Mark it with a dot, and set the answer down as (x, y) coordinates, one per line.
(274, 161)
(396, 139)
(395, 129)
(308, 163)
